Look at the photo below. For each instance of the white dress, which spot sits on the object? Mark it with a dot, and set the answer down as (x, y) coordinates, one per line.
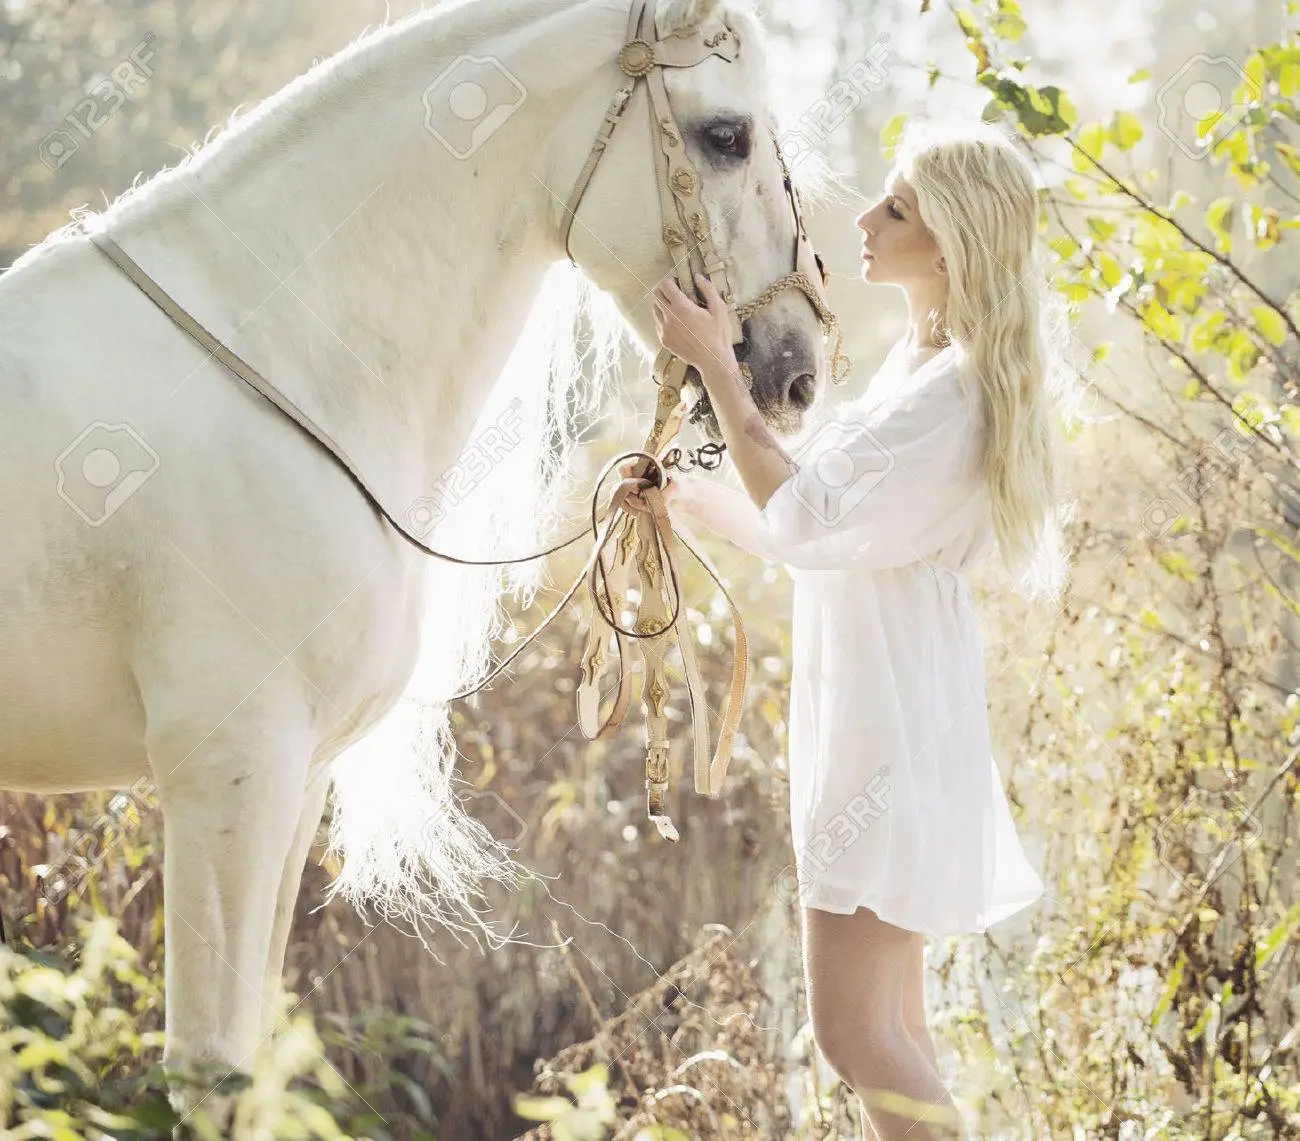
(896, 801)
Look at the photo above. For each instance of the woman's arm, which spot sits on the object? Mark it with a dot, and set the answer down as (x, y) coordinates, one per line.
(702, 336)
(762, 463)
(723, 509)
(911, 470)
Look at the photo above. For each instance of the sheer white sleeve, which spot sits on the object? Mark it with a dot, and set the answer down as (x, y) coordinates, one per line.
(880, 488)
(729, 512)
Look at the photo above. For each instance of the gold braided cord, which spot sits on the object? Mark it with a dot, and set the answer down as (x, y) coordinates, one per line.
(840, 364)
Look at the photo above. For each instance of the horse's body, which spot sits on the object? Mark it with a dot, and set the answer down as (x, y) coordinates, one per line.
(234, 623)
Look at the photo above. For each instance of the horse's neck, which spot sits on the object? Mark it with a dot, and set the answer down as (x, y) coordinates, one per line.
(332, 241)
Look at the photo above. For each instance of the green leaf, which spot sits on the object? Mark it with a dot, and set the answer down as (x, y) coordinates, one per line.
(1265, 226)
(1051, 113)
(1270, 323)
(1153, 237)
(541, 1108)
(1125, 130)
(1290, 155)
(968, 23)
(1233, 146)
(597, 1077)
(1205, 332)
(1092, 142)
(1064, 246)
(1150, 619)
(1139, 75)
(1162, 323)
(1241, 354)
(1179, 565)
(1041, 110)
(1253, 410)
(1009, 24)
(974, 39)
(1282, 543)
(1109, 268)
(1288, 82)
(1064, 106)
(1217, 221)
(1102, 228)
(1276, 939)
(891, 133)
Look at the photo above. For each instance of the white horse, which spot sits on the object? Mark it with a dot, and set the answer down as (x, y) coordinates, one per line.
(192, 591)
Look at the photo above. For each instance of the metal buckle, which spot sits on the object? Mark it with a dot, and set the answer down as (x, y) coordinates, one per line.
(636, 58)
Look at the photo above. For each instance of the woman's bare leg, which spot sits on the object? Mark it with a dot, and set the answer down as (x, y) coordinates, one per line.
(856, 970)
(914, 1019)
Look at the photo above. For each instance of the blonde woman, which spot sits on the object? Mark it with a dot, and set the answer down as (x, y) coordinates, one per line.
(900, 825)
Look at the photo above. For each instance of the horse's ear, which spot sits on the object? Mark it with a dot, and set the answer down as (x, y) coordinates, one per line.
(678, 15)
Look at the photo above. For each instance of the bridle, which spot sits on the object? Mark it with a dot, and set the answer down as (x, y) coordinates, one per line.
(648, 534)
(686, 230)
(689, 240)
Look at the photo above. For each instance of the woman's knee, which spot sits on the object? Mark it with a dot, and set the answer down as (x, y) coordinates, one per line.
(860, 1052)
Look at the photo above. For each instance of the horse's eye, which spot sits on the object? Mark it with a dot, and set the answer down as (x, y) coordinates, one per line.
(729, 139)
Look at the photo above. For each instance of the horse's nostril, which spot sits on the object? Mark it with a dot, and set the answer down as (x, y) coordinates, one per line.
(802, 390)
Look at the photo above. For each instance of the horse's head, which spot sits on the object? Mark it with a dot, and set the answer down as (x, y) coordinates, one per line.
(722, 111)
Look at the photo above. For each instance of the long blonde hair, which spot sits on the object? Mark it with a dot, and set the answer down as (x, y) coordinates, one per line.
(976, 194)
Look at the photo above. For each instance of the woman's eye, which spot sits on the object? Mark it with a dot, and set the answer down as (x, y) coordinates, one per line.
(893, 212)
(729, 140)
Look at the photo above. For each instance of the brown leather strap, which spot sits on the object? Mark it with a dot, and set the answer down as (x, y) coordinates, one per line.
(693, 48)
(709, 775)
(611, 521)
(688, 238)
(644, 51)
(593, 659)
(613, 116)
(264, 388)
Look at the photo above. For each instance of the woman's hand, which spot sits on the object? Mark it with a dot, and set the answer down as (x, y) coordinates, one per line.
(699, 336)
(636, 501)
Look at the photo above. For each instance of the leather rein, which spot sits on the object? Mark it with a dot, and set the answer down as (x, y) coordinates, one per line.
(646, 535)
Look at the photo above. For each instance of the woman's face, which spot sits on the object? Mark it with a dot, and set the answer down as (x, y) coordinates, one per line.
(897, 249)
